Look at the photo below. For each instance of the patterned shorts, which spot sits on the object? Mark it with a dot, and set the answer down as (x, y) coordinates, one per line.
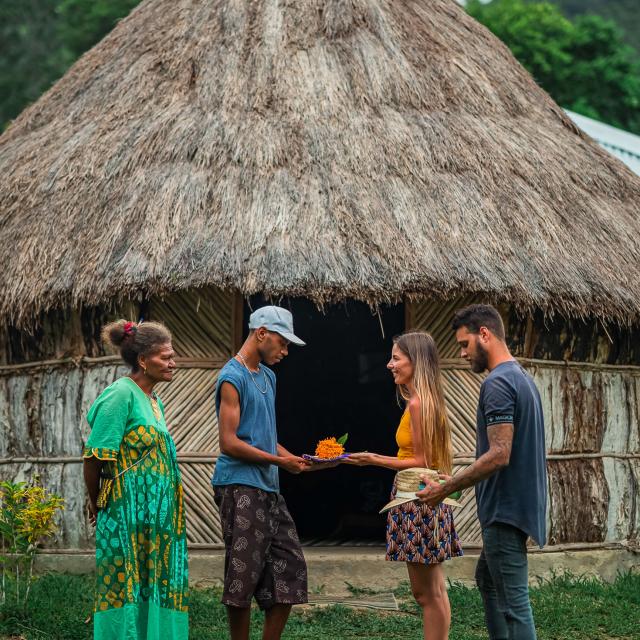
(417, 532)
(263, 556)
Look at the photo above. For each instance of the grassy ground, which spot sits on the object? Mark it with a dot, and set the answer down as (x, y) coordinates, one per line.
(565, 609)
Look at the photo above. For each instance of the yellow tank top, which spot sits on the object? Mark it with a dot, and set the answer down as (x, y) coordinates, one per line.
(403, 437)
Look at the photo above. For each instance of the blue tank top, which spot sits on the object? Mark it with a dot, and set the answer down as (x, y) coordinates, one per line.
(257, 427)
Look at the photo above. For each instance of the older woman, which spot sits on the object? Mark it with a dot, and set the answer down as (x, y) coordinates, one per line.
(141, 547)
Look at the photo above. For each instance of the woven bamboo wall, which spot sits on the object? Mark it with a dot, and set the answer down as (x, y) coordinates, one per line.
(43, 407)
(461, 389)
(202, 323)
(592, 420)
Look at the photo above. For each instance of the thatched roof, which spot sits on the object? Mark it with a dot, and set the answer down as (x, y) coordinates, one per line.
(331, 149)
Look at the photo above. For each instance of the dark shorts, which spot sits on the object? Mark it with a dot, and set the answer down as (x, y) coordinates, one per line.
(263, 558)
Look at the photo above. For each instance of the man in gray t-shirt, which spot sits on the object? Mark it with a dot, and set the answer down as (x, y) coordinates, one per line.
(515, 494)
(509, 473)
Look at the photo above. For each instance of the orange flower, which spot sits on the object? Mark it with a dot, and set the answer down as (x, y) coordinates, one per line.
(329, 448)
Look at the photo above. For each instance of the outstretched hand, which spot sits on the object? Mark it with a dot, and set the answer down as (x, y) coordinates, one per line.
(360, 459)
(293, 464)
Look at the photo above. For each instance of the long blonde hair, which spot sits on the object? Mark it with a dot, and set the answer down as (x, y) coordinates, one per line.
(421, 350)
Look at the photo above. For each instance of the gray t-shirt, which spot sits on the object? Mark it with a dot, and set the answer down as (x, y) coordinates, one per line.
(257, 427)
(517, 493)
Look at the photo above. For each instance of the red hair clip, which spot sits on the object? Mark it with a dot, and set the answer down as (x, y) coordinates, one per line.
(129, 328)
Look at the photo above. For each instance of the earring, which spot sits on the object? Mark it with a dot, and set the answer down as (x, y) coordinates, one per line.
(144, 370)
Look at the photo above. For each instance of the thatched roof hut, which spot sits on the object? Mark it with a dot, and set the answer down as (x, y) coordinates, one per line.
(328, 149)
(386, 151)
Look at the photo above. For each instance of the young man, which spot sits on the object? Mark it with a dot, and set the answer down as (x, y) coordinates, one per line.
(263, 554)
(509, 473)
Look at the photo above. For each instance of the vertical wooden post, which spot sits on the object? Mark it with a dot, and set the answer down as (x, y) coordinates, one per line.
(530, 338)
(237, 321)
(75, 344)
(409, 317)
(4, 344)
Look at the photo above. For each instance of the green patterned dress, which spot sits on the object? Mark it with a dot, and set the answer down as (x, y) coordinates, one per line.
(141, 545)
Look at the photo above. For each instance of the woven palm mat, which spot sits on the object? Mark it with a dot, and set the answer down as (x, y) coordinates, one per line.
(383, 601)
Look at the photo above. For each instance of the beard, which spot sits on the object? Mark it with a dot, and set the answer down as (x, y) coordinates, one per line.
(480, 362)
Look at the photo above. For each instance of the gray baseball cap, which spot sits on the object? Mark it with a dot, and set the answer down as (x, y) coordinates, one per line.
(275, 319)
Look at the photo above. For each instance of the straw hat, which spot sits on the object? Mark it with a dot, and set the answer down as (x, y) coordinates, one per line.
(408, 482)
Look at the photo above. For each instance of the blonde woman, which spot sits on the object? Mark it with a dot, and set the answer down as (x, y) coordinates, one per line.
(422, 536)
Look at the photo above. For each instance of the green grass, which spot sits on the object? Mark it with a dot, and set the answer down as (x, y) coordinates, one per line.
(565, 608)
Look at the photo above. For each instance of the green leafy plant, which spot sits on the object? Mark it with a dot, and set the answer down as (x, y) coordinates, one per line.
(584, 63)
(27, 516)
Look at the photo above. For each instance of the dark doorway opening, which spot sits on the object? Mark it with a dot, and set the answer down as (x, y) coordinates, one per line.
(338, 383)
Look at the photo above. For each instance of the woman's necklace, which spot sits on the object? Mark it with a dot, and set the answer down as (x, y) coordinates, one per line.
(253, 375)
(153, 401)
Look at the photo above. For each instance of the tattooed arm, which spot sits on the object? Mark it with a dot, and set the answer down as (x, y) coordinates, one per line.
(500, 437)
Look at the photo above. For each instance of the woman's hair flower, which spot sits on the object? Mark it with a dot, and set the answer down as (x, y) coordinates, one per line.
(129, 328)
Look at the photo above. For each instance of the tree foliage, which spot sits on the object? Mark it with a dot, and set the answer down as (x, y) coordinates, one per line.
(30, 54)
(40, 39)
(584, 64)
(624, 13)
(85, 22)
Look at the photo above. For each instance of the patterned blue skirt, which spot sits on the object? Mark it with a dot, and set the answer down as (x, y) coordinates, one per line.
(417, 532)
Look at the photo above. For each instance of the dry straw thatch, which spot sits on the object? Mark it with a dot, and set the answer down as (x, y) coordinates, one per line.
(355, 148)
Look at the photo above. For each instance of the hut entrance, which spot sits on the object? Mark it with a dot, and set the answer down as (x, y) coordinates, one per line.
(338, 383)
